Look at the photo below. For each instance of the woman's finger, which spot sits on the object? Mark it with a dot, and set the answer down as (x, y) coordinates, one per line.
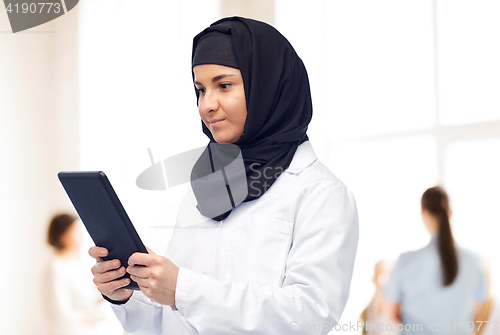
(139, 271)
(98, 252)
(105, 266)
(139, 258)
(141, 281)
(110, 287)
(109, 276)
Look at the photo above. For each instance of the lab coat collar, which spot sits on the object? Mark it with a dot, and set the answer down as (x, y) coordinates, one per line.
(304, 156)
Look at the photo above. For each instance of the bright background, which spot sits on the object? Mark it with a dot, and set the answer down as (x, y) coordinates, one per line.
(406, 95)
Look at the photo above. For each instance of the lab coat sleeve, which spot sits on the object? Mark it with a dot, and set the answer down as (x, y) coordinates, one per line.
(317, 277)
(140, 315)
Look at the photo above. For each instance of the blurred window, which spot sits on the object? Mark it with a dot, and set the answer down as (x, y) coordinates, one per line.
(406, 96)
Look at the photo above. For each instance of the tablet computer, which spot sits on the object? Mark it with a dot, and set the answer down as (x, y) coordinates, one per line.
(103, 215)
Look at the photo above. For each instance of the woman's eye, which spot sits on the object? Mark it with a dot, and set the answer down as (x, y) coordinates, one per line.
(225, 85)
(200, 90)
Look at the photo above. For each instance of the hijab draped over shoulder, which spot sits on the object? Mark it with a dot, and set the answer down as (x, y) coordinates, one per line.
(278, 100)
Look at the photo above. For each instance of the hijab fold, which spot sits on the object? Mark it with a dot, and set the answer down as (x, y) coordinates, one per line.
(278, 100)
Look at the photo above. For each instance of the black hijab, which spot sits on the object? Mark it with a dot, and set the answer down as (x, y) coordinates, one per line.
(278, 100)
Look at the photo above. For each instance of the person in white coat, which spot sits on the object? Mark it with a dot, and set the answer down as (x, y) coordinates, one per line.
(279, 261)
(71, 304)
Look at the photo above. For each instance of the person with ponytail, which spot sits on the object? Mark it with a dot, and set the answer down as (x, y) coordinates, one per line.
(435, 290)
(264, 243)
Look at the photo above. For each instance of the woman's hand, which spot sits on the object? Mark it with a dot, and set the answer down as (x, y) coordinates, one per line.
(105, 275)
(156, 276)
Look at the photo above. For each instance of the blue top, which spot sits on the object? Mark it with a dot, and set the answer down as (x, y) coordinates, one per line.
(416, 284)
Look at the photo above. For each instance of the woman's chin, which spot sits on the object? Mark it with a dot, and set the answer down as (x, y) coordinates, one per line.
(223, 139)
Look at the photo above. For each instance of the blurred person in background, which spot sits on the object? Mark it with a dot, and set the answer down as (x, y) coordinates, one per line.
(72, 304)
(489, 318)
(439, 288)
(373, 317)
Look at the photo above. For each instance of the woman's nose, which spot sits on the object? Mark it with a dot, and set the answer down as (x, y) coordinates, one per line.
(209, 103)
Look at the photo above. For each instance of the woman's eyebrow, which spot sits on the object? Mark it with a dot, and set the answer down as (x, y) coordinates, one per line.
(220, 76)
(216, 78)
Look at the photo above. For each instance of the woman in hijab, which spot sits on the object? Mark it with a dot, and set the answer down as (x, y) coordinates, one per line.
(269, 253)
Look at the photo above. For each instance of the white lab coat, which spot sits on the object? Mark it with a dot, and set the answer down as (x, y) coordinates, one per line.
(276, 265)
(71, 302)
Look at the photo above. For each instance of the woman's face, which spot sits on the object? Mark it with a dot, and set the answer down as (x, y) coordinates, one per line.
(73, 236)
(221, 103)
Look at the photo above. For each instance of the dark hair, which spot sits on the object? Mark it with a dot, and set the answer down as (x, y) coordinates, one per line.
(58, 226)
(435, 200)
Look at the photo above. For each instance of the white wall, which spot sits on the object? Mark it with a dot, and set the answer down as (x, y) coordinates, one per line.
(38, 138)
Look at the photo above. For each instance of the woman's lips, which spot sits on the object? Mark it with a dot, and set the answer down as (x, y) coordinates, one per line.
(215, 123)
